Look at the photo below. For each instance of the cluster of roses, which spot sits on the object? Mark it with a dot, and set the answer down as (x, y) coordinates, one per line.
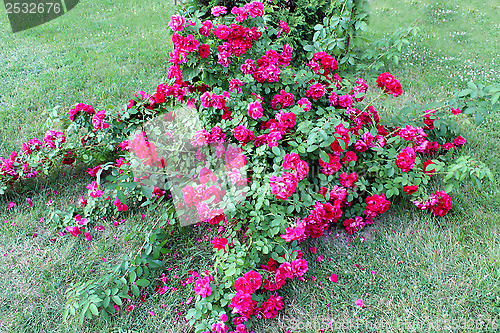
(242, 302)
(198, 196)
(322, 215)
(9, 167)
(254, 9)
(334, 165)
(80, 107)
(316, 91)
(233, 156)
(318, 220)
(202, 284)
(406, 159)
(234, 161)
(141, 95)
(215, 137)
(369, 141)
(95, 192)
(278, 275)
(216, 101)
(315, 224)
(238, 40)
(97, 120)
(389, 84)
(145, 150)
(54, 138)
(439, 203)
(284, 99)
(246, 285)
(176, 90)
(360, 88)
(283, 187)
(268, 66)
(278, 127)
(417, 137)
(323, 61)
(375, 205)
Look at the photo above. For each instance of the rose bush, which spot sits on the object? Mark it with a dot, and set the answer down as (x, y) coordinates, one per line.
(301, 22)
(267, 154)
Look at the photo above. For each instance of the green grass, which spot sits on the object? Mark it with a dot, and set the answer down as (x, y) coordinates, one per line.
(431, 274)
(99, 53)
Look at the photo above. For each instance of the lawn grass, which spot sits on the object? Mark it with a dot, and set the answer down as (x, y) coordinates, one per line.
(428, 274)
(99, 53)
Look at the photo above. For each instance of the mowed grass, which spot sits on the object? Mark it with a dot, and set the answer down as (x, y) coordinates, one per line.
(99, 53)
(414, 272)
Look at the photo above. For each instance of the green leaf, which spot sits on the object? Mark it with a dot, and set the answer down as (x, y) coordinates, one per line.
(82, 317)
(495, 98)
(65, 314)
(478, 118)
(464, 92)
(312, 138)
(188, 73)
(309, 48)
(147, 191)
(324, 157)
(132, 276)
(276, 151)
(121, 197)
(472, 85)
(312, 148)
(93, 309)
(117, 300)
(361, 25)
(129, 185)
(105, 302)
(135, 290)
(230, 271)
(143, 282)
(469, 110)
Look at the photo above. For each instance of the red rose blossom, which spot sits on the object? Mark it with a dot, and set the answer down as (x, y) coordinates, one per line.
(443, 204)
(389, 84)
(204, 51)
(459, 141)
(410, 189)
(406, 159)
(377, 204)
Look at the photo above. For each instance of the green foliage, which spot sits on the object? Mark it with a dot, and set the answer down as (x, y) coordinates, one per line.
(478, 100)
(465, 169)
(343, 22)
(257, 226)
(129, 279)
(388, 49)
